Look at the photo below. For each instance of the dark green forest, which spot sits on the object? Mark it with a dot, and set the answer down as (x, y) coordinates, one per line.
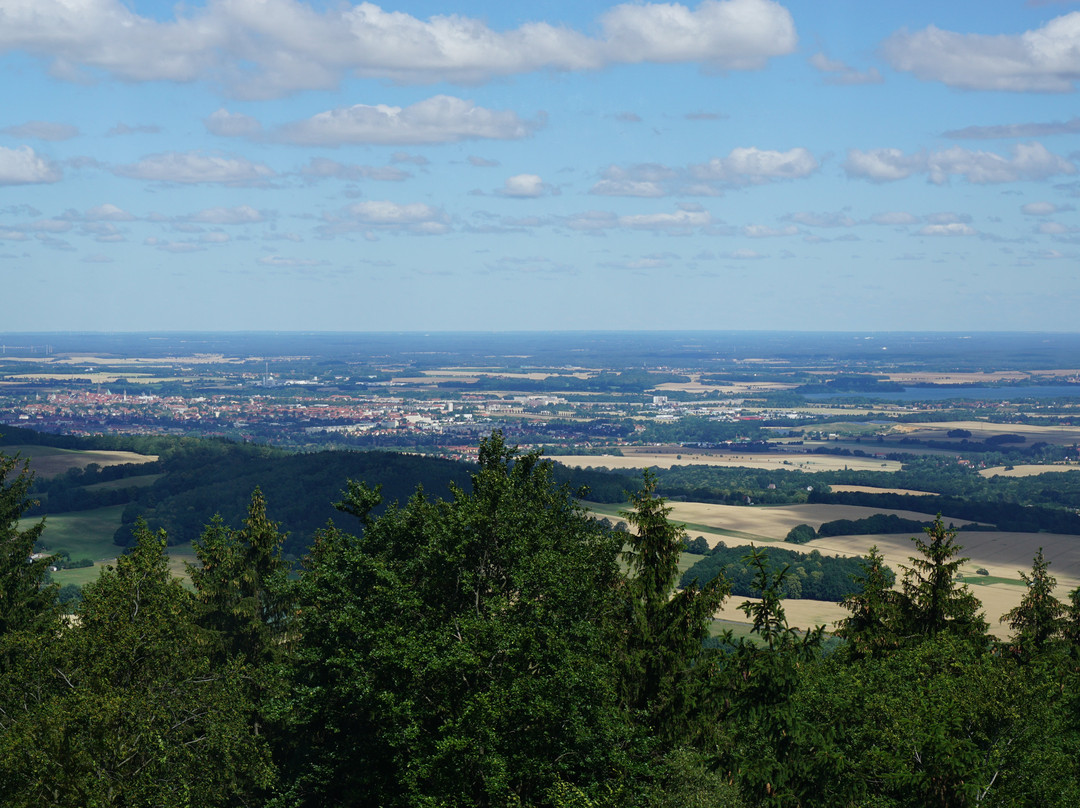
(494, 646)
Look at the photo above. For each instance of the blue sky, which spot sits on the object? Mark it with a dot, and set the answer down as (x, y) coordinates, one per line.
(733, 164)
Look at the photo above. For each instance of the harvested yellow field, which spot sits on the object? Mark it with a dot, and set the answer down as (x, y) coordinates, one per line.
(870, 489)
(1002, 554)
(981, 430)
(774, 521)
(1027, 470)
(791, 462)
(47, 461)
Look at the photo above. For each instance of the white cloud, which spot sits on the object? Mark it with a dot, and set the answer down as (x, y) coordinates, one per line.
(270, 48)
(763, 231)
(106, 212)
(953, 229)
(1028, 161)
(883, 165)
(1045, 129)
(415, 217)
(42, 130)
(139, 129)
(242, 214)
(731, 35)
(895, 218)
(440, 119)
(23, 166)
(1055, 229)
(481, 162)
(524, 186)
(232, 124)
(838, 72)
(822, 219)
(281, 261)
(753, 166)
(1046, 59)
(196, 167)
(322, 168)
(1039, 209)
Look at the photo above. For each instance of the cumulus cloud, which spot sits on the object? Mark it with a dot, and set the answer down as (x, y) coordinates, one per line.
(415, 217)
(952, 229)
(1016, 130)
(323, 168)
(644, 180)
(106, 212)
(440, 119)
(196, 167)
(1043, 208)
(42, 130)
(232, 124)
(524, 186)
(686, 219)
(23, 166)
(1046, 59)
(269, 48)
(139, 129)
(763, 231)
(822, 219)
(894, 218)
(754, 166)
(242, 214)
(837, 72)
(742, 167)
(481, 162)
(1027, 161)
(290, 263)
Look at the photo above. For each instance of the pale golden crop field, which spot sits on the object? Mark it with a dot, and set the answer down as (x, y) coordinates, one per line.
(48, 461)
(774, 521)
(870, 489)
(981, 430)
(791, 462)
(1027, 470)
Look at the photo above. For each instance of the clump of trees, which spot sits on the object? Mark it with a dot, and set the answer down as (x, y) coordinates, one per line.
(501, 648)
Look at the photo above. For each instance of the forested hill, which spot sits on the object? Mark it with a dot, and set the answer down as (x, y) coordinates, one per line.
(196, 478)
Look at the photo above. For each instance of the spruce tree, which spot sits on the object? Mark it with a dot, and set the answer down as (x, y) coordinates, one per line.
(27, 600)
(931, 602)
(1039, 618)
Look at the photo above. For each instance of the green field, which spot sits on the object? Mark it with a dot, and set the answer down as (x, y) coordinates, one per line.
(83, 534)
(138, 481)
(986, 580)
(89, 534)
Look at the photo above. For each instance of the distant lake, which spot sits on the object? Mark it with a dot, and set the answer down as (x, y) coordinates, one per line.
(943, 393)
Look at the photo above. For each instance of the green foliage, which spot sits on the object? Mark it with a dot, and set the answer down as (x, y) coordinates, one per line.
(459, 652)
(27, 601)
(931, 601)
(871, 629)
(663, 684)
(812, 575)
(125, 707)
(239, 582)
(801, 534)
(1038, 619)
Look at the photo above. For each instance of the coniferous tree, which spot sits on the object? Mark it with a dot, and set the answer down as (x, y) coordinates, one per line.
(663, 683)
(871, 629)
(1039, 618)
(27, 601)
(931, 602)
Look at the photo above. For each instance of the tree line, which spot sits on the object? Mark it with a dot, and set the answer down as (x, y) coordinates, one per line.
(498, 647)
